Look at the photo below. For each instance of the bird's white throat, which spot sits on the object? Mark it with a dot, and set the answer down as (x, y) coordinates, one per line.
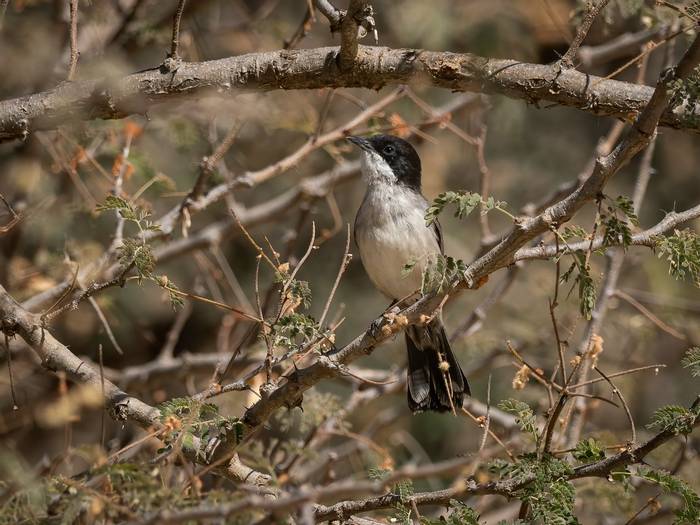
(375, 169)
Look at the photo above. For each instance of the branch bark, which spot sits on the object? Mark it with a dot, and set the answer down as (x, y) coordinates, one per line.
(374, 68)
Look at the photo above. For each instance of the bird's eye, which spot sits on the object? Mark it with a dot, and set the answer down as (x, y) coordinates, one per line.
(389, 150)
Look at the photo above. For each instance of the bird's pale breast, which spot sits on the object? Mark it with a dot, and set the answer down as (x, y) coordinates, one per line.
(390, 231)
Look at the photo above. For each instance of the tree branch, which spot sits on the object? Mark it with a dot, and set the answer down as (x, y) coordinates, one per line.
(645, 238)
(74, 53)
(350, 29)
(375, 67)
(332, 13)
(592, 12)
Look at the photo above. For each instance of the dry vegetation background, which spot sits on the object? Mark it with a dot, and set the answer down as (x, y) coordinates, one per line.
(166, 330)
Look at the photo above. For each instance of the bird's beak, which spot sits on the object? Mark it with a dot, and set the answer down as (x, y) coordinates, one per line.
(361, 143)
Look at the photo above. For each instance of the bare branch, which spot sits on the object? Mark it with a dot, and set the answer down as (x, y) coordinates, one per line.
(174, 55)
(351, 27)
(594, 7)
(332, 13)
(315, 68)
(73, 39)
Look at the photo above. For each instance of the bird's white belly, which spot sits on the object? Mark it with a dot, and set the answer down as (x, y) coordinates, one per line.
(389, 237)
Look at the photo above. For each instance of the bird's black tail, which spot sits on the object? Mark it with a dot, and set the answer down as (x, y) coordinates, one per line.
(435, 379)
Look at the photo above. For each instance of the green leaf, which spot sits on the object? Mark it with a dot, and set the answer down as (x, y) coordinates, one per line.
(616, 232)
(690, 509)
(442, 273)
(293, 331)
(682, 251)
(524, 416)
(466, 202)
(626, 206)
(588, 450)
(574, 231)
(586, 292)
(673, 418)
(692, 361)
(300, 291)
(140, 255)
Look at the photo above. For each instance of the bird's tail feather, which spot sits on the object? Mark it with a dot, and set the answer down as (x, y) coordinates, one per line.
(435, 379)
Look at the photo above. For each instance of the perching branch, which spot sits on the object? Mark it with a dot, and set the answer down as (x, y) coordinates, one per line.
(375, 67)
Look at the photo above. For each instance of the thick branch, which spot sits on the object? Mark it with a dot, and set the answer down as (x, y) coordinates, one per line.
(374, 68)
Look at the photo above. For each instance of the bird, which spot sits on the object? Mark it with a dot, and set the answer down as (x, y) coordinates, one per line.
(391, 232)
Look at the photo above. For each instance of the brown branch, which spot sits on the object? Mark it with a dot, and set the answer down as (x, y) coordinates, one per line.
(74, 53)
(332, 13)
(649, 315)
(175, 40)
(646, 238)
(350, 30)
(593, 9)
(315, 68)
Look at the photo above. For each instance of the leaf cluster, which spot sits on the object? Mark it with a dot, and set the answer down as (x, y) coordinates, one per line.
(548, 492)
(129, 212)
(195, 423)
(441, 273)
(294, 331)
(586, 287)
(682, 251)
(524, 416)
(458, 514)
(674, 418)
(616, 222)
(588, 451)
(465, 201)
(690, 501)
(691, 361)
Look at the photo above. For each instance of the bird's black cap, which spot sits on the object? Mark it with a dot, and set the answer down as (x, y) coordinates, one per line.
(398, 154)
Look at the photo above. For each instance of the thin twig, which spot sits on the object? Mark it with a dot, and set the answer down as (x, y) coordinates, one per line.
(617, 392)
(175, 41)
(649, 315)
(10, 372)
(618, 374)
(343, 265)
(592, 12)
(105, 324)
(102, 391)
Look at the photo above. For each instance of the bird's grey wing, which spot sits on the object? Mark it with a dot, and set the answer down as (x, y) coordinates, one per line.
(354, 228)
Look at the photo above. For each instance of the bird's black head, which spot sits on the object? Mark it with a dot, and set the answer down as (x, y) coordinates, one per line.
(398, 154)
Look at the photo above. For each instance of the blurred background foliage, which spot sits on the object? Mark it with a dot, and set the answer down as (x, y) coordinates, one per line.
(529, 151)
